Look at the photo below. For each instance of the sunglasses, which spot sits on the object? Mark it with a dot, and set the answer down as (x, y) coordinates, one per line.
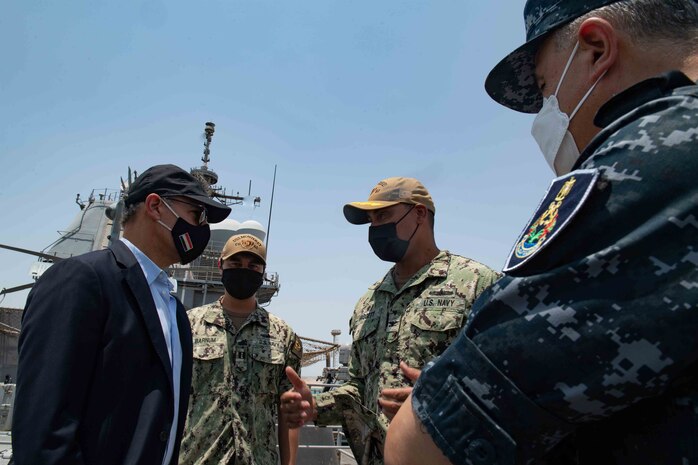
(202, 216)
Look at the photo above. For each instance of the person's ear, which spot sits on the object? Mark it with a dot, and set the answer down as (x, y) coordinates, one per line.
(421, 213)
(153, 204)
(598, 39)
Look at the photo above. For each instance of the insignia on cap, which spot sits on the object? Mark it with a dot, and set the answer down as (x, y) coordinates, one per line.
(247, 243)
(378, 187)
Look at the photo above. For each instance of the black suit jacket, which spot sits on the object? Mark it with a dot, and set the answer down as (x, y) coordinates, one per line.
(94, 384)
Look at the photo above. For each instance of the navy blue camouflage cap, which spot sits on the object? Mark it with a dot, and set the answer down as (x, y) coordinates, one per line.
(513, 82)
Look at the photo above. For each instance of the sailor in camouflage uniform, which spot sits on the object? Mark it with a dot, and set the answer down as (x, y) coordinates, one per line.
(240, 351)
(586, 351)
(410, 315)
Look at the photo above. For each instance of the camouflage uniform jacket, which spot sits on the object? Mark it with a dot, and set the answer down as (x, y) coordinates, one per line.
(413, 324)
(237, 379)
(586, 352)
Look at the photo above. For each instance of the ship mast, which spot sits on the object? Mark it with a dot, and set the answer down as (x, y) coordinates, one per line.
(208, 177)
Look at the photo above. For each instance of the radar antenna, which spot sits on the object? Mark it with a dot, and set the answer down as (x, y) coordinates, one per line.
(208, 132)
(208, 177)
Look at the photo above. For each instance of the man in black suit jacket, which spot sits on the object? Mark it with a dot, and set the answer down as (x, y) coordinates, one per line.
(105, 351)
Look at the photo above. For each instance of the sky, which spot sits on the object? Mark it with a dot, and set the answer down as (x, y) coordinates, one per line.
(336, 94)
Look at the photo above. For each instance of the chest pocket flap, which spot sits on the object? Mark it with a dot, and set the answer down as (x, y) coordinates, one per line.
(436, 319)
(209, 350)
(365, 326)
(272, 352)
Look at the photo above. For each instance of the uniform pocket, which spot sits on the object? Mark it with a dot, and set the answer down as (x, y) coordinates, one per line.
(209, 351)
(267, 366)
(208, 370)
(364, 333)
(428, 331)
(365, 327)
(436, 319)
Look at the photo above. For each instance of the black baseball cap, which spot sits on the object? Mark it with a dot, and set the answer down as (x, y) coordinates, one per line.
(513, 82)
(171, 181)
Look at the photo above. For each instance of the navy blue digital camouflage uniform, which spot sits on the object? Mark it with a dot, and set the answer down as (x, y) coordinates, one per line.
(585, 352)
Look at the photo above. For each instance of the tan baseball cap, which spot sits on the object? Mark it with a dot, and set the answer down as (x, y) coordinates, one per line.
(244, 243)
(387, 193)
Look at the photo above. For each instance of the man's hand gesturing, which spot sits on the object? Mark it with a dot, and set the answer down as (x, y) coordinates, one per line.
(297, 406)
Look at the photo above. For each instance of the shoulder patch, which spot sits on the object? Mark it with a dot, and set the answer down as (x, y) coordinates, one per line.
(297, 348)
(560, 204)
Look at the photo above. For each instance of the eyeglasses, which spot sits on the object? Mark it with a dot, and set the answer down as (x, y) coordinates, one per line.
(202, 216)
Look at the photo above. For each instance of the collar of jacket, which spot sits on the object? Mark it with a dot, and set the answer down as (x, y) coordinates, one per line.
(214, 315)
(620, 106)
(437, 268)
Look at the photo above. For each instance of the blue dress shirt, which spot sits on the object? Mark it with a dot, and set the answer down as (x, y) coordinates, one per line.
(161, 289)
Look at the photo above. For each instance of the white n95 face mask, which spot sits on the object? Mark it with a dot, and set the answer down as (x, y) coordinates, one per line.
(550, 128)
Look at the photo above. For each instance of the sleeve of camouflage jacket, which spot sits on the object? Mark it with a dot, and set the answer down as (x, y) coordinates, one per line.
(294, 357)
(603, 317)
(330, 405)
(486, 280)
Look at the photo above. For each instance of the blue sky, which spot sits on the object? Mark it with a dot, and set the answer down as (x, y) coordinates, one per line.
(338, 94)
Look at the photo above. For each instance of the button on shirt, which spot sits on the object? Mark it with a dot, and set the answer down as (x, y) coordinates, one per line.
(166, 306)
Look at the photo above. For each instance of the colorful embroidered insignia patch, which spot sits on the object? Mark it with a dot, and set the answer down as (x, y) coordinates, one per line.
(297, 347)
(563, 199)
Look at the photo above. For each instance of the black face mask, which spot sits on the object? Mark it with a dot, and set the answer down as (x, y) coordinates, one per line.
(385, 243)
(241, 283)
(189, 240)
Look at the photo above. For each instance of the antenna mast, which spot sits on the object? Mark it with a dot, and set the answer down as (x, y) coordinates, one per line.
(208, 177)
(271, 204)
(208, 132)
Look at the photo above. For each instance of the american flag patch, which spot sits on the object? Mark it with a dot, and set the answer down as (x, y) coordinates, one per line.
(186, 242)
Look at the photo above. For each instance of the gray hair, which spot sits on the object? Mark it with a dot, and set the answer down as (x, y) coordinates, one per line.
(130, 212)
(660, 22)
